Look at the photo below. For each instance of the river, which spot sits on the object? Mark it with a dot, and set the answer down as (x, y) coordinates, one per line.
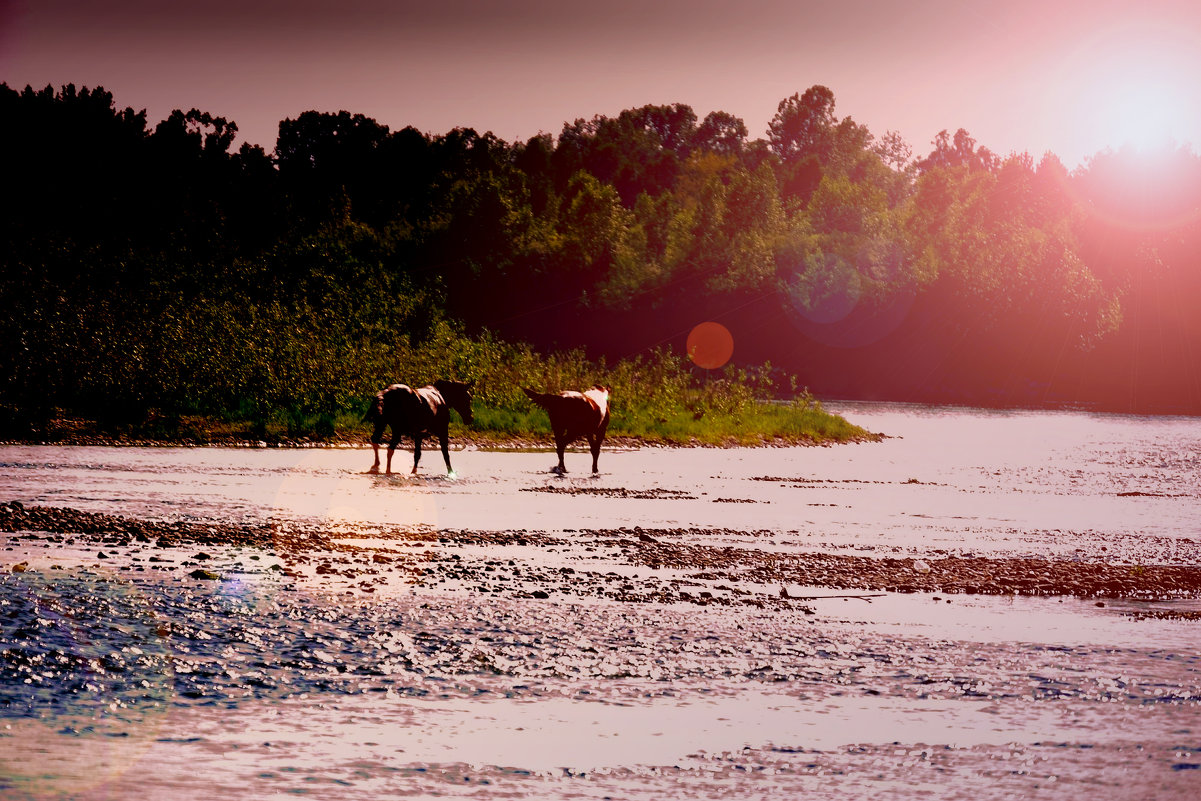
(123, 677)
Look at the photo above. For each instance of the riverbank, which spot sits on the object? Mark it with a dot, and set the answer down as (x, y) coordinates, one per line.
(212, 434)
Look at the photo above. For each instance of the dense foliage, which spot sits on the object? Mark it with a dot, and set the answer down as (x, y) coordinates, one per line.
(157, 272)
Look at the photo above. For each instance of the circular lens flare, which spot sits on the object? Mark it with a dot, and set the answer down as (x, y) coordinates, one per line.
(710, 345)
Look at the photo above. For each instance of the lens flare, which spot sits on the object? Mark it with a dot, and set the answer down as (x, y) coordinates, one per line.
(710, 345)
(826, 290)
(1127, 86)
(827, 300)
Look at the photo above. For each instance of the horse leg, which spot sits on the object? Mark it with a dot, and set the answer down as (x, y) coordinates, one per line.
(391, 450)
(416, 453)
(442, 440)
(594, 442)
(377, 436)
(560, 446)
(596, 446)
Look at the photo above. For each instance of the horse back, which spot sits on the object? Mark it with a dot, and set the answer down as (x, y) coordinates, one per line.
(582, 414)
(433, 410)
(400, 407)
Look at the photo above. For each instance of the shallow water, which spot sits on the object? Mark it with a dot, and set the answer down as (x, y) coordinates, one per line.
(121, 677)
(999, 482)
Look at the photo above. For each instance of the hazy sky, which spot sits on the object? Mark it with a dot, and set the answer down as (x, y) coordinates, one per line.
(1069, 77)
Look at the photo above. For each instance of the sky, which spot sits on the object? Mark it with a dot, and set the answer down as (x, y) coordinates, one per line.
(1037, 76)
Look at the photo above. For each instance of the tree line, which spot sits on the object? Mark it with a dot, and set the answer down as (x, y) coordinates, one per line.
(159, 270)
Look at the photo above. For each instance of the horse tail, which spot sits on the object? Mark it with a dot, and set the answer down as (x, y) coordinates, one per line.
(376, 410)
(543, 399)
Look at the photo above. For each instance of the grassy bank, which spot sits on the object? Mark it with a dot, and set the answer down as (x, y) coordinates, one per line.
(802, 422)
(318, 394)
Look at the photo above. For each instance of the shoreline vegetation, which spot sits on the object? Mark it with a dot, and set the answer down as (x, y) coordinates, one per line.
(752, 423)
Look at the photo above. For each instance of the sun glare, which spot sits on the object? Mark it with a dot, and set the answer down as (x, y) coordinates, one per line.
(1134, 88)
(1141, 110)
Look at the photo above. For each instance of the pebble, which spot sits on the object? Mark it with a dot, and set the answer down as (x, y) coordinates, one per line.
(655, 549)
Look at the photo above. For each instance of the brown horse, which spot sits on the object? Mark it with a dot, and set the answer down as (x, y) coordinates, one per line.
(417, 413)
(575, 415)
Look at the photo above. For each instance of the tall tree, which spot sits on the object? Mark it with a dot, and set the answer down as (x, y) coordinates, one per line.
(721, 132)
(802, 125)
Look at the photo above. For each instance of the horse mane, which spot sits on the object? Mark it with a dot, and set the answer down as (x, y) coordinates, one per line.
(443, 384)
(457, 395)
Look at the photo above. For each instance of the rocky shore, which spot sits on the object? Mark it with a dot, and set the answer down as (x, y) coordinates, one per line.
(948, 574)
(661, 567)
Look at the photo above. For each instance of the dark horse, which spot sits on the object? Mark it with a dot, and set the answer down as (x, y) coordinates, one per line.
(417, 413)
(575, 415)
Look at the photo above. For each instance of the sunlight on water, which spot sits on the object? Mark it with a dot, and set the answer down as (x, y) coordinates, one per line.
(318, 488)
(952, 475)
